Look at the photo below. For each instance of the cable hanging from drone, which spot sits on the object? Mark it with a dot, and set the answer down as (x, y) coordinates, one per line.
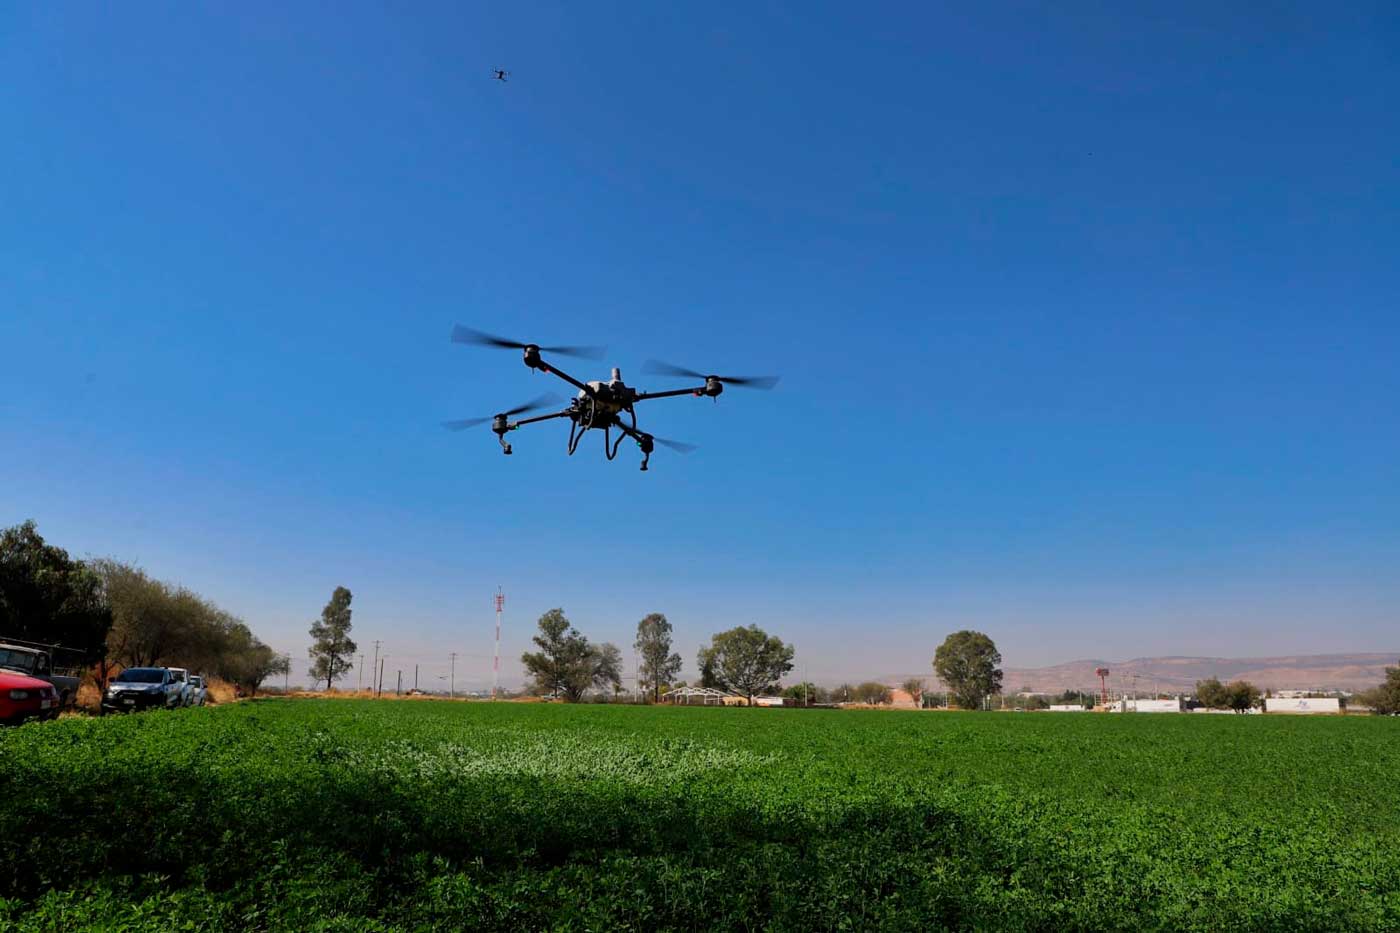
(578, 426)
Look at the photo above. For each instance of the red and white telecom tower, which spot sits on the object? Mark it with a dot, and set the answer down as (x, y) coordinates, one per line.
(496, 666)
(1103, 673)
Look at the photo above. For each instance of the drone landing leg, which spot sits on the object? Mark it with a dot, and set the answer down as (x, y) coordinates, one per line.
(644, 441)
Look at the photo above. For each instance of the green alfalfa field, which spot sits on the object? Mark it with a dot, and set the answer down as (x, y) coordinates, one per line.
(364, 815)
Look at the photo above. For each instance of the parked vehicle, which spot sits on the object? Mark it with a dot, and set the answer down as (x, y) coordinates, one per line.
(198, 691)
(33, 659)
(138, 688)
(23, 697)
(182, 677)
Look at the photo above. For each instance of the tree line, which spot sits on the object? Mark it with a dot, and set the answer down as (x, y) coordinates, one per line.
(744, 660)
(110, 614)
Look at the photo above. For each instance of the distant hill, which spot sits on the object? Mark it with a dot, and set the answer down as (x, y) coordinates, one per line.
(1179, 674)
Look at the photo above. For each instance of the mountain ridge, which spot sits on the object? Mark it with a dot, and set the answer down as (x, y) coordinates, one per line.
(1346, 671)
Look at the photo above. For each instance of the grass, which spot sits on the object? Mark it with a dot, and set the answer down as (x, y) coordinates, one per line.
(363, 815)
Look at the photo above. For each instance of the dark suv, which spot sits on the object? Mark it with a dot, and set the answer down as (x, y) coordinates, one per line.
(139, 688)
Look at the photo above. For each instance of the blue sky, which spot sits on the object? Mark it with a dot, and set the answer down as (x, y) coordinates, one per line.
(1087, 319)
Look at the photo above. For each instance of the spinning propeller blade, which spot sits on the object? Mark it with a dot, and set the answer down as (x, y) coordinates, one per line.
(467, 335)
(679, 447)
(748, 382)
(549, 398)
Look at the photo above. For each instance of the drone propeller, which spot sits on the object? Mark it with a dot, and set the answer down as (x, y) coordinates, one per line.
(680, 447)
(462, 334)
(749, 382)
(549, 398)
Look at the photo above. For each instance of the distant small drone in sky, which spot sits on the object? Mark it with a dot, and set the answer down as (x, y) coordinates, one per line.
(499, 74)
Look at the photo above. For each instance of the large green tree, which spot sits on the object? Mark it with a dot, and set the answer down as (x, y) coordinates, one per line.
(1211, 693)
(46, 596)
(659, 664)
(154, 622)
(1385, 699)
(568, 664)
(967, 662)
(250, 662)
(607, 667)
(746, 660)
(706, 663)
(332, 652)
(1241, 696)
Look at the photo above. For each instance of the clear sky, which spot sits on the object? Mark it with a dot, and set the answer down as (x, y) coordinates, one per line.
(1088, 319)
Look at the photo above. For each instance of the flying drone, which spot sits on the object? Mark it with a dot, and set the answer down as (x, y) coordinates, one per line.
(499, 74)
(598, 406)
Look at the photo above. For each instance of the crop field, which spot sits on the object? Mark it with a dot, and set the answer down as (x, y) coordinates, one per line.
(363, 815)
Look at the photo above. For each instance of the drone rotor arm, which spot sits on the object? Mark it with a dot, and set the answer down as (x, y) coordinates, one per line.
(554, 370)
(511, 426)
(673, 393)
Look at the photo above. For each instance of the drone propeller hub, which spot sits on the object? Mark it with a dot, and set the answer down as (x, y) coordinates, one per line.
(713, 386)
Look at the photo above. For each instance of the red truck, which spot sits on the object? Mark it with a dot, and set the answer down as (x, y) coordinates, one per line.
(23, 697)
(35, 659)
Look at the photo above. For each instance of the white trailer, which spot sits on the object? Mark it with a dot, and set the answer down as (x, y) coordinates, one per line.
(1302, 705)
(1146, 706)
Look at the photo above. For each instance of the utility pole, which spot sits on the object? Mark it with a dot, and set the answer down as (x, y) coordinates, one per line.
(287, 675)
(415, 677)
(379, 687)
(452, 684)
(398, 689)
(360, 675)
(496, 665)
(374, 668)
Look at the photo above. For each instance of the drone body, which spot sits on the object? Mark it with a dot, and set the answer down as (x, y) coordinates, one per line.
(599, 405)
